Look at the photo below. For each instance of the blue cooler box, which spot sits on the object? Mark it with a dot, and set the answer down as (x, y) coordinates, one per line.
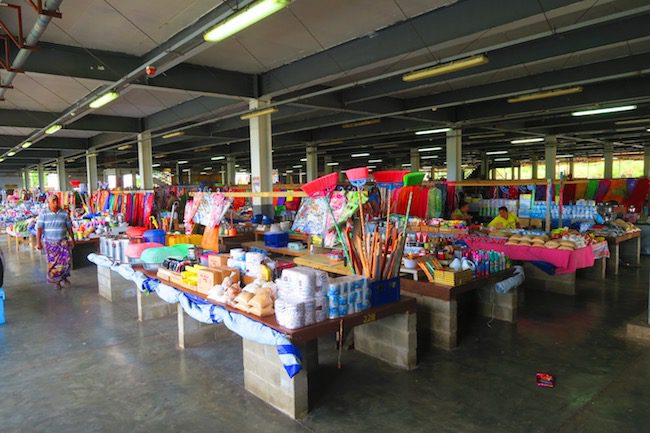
(276, 240)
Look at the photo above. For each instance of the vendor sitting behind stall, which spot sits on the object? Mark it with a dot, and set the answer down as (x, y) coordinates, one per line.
(462, 213)
(505, 220)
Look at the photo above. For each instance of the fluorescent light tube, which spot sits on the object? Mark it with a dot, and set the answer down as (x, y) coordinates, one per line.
(173, 134)
(104, 99)
(183, 162)
(26, 144)
(244, 18)
(53, 129)
(429, 157)
(371, 161)
(297, 166)
(359, 155)
(527, 140)
(446, 68)
(155, 165)
(432, 131)
(429, 149)
(258, 113)
(217, 158)
(11, 153)
(501, 159)
(332, 164)
(546, 94)
(497, 152)
(303, 159)
(406, 165)
(604, 110)
(124, 147)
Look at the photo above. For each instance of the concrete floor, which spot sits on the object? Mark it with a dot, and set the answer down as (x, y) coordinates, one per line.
(72, 362)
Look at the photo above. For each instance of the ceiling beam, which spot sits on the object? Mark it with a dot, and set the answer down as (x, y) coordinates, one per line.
(11, 141)
(92, 122)
(402, 38)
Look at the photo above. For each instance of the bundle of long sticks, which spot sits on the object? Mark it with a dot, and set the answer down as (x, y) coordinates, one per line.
(376, 257)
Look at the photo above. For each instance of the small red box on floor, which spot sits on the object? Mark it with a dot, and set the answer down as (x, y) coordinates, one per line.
(545, 380)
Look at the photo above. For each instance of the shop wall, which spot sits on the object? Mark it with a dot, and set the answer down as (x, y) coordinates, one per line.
(10, 180)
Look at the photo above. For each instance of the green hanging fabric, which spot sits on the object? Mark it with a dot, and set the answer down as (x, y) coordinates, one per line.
(434, 203)
(592, 188)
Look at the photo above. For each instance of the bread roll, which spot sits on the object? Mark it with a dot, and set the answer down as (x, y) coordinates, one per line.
(565, 248)
(552, 244)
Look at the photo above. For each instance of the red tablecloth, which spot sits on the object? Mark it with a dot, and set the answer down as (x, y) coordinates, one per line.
(565, 261)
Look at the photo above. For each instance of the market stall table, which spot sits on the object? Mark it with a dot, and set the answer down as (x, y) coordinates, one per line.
(323, 263)
(387, 332)
(281, 251)
(626, 246)
(438, 309)
(81, 250)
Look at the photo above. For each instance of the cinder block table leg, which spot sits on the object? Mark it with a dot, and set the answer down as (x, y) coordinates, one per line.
(499, 306)
(564, 284)
(630, 251)
(194, 333)
(112, 286)
(265, 377)
(392, 339)
(150, 306)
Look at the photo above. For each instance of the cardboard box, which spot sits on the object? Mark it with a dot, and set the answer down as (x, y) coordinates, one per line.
(176, 278)
(218, 260)
(164, 274)
(208, 278)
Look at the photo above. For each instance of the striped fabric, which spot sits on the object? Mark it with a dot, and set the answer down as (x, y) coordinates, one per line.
(55, 225)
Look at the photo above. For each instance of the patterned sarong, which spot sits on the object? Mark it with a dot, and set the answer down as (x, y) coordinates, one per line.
(58, 260)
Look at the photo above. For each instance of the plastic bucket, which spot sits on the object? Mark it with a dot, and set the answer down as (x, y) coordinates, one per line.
(157, 236)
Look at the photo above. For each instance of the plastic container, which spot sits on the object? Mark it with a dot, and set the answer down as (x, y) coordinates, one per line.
(2, 306)
(157, 236)
(384, 291)
(134, 251)
(276, 240)
(136, 234)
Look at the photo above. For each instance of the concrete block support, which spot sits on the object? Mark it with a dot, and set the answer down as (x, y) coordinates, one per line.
(261, 158)
(392, 339)
(437, 321)
(91, 170)
(265, 377)
(499, 306)
(113, 287)
(564, 284)
(145, 160)
(194, 333)
(415, 160)
(150, 306)
(454, 154)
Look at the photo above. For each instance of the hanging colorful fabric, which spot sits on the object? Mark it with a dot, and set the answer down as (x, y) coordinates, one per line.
(638, 197)
(210, 239)
(616, 192)
(603, 188)
(592, 190)
(581, 189)
(569, 195)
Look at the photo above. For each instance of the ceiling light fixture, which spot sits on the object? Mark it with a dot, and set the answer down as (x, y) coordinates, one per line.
(527, 140)
(497, 152)
(303, 159)
(332, 164)
(53, 129)
(182, 162)
(2, 159)
(297, 166)
(244, 18)
(446, 68)
(173, 134)
(564, 156)
(104, 99)
(359, 155)
(432, 131)
(372, 166)
(360, 123)
(501, 159)
(406, 165)
(11, 153)
(604, 110)
(429, 149)
(546, 94)
(155, 165)
(429, 157)
(217, 158)
(124, 147)
(26, 144)
(375, 161)
(258, 113)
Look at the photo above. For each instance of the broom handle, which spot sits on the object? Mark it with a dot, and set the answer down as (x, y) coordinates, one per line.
(398, 264)
(363, 229)
(338, 232)
(388, 207)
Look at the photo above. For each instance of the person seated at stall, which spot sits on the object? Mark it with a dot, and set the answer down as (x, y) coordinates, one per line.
(462, 213)
(505, 220)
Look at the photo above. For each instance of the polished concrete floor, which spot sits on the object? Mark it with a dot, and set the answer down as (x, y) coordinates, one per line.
(72, 362)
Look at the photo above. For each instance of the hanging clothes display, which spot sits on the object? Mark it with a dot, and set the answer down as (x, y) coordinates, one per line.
(581, 189)
(569, 195)
(639, 195)
(592, 190)
(617, 191)
(603, 188)
(434, 203)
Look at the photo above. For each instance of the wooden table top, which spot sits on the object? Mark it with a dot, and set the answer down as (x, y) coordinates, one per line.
(322, 263)
(625, 237)
(282, 251)
(447, 293)
(312, 332)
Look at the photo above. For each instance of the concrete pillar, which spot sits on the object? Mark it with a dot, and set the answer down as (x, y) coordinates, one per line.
(179, 172)
(485, 166)
(454, 154)
(608, 155)
(60, 171)
(230, 170)
(550, 156)
(312, 162)
(415, 160)
(646, 161)
(533, 161)
(571, 167)
(328, 168)
(23, 178)
(91, 170)
(512, 170)
(41, 177)
(145, 160)
(261, 158)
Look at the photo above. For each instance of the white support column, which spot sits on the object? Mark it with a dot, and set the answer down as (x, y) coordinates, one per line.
(60, 171)
(454, 154)
(179, 173)
(512, 170)
(415, 160)
(328, 168)
(41, 177)
(91, 170)
(550, 156)
(230, 170)
(145, 160)
(261, 158)
(646, 161)
(608, 155)
(312, 162)
(23, 178)
(533, 161)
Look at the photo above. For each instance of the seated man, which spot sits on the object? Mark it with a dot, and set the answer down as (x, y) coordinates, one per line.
(462, 213)
(505, 220)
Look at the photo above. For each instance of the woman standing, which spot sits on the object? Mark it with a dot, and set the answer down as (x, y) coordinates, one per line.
(53, 227)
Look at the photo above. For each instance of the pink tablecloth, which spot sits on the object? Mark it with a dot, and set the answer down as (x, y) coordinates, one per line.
(565, 261)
